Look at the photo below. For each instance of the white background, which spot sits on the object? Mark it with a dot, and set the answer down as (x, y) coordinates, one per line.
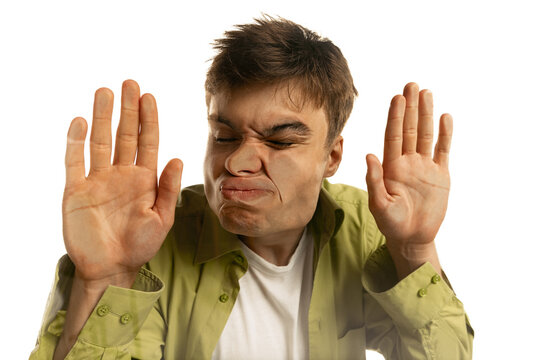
(480, 59)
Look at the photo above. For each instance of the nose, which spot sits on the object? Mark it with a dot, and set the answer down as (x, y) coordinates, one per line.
(245, 160)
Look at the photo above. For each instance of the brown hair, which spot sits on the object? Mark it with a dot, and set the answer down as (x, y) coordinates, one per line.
(272, 51)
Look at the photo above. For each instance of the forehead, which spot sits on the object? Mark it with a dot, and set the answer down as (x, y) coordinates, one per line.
(263, 105)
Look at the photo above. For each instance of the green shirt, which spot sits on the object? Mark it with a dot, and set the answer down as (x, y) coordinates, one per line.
(180, 301)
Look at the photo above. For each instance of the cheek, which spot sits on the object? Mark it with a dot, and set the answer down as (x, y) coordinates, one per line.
(296, 175)
(298, 180)
(213, 163)
(211, 172)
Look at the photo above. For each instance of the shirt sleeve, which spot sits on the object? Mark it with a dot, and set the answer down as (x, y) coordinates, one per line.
(111, 330)
(418, 317)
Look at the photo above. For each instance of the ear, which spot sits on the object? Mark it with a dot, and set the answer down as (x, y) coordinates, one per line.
(335, 153)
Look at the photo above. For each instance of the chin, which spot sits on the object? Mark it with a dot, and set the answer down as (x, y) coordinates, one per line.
(241, 222)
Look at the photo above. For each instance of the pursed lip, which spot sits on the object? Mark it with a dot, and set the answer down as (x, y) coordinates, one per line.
(239, 189)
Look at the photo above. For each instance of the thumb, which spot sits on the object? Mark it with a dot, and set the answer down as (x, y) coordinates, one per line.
(169, 187)
(375, 184)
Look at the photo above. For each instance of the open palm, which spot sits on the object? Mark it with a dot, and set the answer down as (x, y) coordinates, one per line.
(408, 193)
(116, 218)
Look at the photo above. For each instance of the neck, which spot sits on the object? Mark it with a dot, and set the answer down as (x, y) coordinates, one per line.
(276, 248)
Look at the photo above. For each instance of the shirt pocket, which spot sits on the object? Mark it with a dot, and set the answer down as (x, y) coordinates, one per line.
(352, 345)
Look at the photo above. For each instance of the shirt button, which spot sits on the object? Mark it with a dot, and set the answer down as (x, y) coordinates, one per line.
(239, 260)
(422, 292)
(103, 310)
(124, 319)
(435, 279)
(224, 298)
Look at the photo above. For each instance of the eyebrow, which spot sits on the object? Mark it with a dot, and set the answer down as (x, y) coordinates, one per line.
(295, 126)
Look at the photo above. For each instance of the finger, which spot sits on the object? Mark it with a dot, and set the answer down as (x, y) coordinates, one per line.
(393, 135)
(149, 137)
(425, 123)
(169, 187)
(374, 179)
(100, 137)
(75, 151)
(127, 134)
(442, 148)
(410, 121)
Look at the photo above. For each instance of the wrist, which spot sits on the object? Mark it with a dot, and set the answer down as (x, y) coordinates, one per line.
(409, 257)
(99, 285)
(412, 251)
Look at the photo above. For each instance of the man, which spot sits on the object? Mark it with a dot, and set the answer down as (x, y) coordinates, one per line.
(267, 260)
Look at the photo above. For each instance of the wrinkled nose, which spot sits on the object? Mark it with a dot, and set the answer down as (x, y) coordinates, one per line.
(245, 160)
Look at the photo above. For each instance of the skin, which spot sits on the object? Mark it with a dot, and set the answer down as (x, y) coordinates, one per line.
(408, 193)
(264, 166)
(116, 218)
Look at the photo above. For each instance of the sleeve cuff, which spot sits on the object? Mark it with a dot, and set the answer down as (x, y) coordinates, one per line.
(412, 302)
(119, 314)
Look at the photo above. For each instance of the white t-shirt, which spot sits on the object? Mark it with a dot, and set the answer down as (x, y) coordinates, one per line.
(270, 317)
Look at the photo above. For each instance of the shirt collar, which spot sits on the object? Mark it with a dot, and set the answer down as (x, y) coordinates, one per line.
(327, 219)
(214, 241)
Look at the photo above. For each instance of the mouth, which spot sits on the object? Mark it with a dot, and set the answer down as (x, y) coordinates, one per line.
(244, 195)
(245, 191)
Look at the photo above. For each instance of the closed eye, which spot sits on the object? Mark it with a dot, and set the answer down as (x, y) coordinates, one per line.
(280, 144)
(224, 140)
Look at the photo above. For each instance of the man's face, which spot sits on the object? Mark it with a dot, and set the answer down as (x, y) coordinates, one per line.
(265, 160)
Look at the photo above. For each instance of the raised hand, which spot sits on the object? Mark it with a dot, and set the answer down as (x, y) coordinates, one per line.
(116, 218)
(408, 193)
